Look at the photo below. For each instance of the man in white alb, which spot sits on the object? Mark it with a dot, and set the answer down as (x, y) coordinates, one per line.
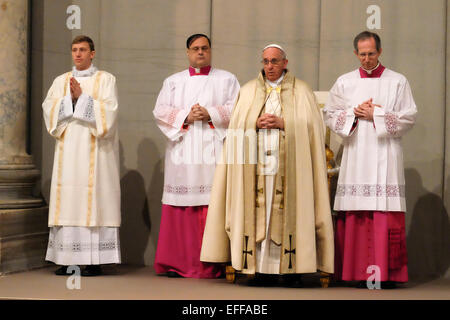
(80, 112)
(192, 110)
(371, 108)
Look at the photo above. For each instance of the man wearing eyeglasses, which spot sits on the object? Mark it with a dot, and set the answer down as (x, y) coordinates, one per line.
(193, 111)
(272, 217)
(371, 108)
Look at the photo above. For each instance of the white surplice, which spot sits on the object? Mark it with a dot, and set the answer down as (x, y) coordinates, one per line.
(371, 176)
(192, 153)
(85, 193)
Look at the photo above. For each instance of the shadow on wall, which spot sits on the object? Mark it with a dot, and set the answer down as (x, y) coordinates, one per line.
(136, 225)
(155, 191)
(140, 206)
(428, 239)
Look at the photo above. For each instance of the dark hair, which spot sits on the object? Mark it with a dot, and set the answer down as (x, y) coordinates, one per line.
(195, 37)
(80, 39)
(367, 35)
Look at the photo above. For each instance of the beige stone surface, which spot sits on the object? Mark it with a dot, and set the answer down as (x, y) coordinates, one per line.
(13, 81)
(240, 29)
(23, 239)
(447, 124)
(132, 283)
(23, 232)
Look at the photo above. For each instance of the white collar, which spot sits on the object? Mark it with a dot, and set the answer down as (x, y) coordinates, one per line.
(89, 72)
(370, 71)
(276, 83)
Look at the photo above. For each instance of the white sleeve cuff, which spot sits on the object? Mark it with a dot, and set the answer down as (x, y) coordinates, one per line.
(84, 109)
(180, 118)
(65, 109)
(380, 122)
(344, 122)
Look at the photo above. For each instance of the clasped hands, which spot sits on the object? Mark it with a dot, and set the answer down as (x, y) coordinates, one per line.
(270, 121)
(197, 113)
(75, 89)
(365, 110)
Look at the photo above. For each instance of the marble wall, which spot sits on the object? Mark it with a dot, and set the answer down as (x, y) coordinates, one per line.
(446, 189)
(13, 82)
(143, 41)
(23, 227)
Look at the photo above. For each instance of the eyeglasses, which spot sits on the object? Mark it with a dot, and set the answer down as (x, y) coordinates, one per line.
(273, 61)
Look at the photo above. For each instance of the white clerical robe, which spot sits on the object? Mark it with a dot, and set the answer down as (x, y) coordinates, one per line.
(84, 209)
(371, 176)
(267, 252)
(192, 151)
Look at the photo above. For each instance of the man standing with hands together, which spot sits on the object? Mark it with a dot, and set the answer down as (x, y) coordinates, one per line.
(80, 112)
(192, 110)
(371, 108)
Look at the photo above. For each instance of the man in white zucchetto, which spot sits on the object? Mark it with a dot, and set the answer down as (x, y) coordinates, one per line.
(269, 215)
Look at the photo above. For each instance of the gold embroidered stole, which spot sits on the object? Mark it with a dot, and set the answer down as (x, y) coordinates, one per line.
(270, 162)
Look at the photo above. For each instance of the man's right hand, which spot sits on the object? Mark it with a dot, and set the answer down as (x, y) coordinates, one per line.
(75, 89)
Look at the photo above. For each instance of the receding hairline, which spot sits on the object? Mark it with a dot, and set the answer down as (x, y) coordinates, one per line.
(365, 35)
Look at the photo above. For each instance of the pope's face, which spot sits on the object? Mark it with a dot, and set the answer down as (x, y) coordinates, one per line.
(199, 53)
(82, 55)
(367, 53)
(274, 64)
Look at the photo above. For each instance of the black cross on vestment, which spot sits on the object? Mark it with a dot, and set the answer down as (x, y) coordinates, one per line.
(290, 251)
(245, 252)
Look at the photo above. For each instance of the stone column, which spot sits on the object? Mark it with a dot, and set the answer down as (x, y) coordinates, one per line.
(446, 194)
(23, 217)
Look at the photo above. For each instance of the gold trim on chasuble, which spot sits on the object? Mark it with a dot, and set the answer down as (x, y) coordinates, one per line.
(102, 105)
(91, 179)
(92, 155)
(58, 185)
(103, 115)
(260, 200)
(52, 112)
(60, 156)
